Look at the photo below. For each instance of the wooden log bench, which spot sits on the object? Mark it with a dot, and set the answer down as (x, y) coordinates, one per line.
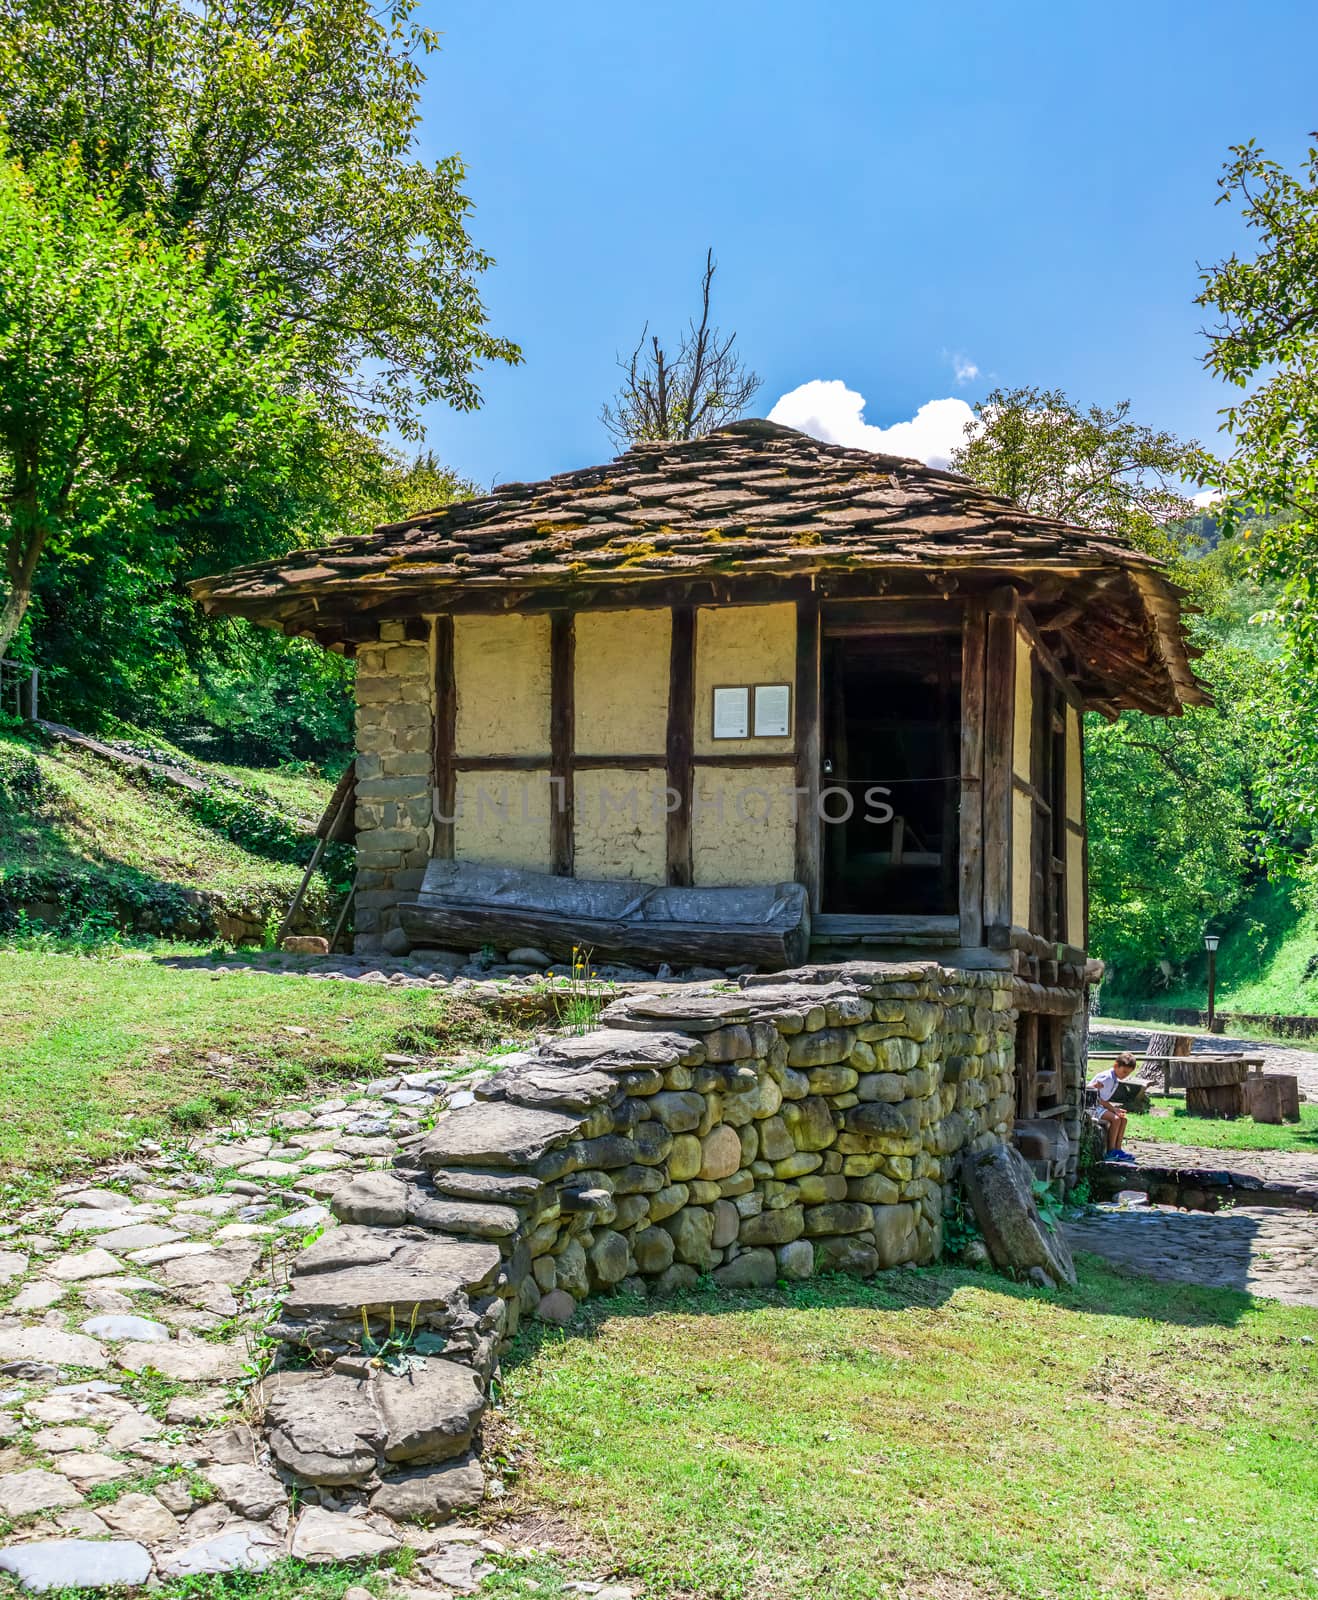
(463, 906)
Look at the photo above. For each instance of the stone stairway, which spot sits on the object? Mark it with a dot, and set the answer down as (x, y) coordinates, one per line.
(768, 1133)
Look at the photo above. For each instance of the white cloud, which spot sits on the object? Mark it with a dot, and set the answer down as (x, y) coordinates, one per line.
(1206, 498)
(965, 371)
(826, 409)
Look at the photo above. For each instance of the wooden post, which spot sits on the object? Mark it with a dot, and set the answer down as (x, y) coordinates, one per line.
(32, 696)
(970, 892)
(445, 739)
(345, 794)
(999, 716)
(809, 847)
(562, 740)
(681, 740)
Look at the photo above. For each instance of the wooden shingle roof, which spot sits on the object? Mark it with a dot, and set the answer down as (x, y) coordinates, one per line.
(753, 504)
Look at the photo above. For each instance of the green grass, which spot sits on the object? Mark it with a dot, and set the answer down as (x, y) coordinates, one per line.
(287, 1580)
(92, 817)
(934, 1435)
(1170, 1124)
(98, 1051)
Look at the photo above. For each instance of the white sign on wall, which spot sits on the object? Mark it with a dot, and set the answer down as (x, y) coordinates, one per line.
(773, 710)
(732, 712)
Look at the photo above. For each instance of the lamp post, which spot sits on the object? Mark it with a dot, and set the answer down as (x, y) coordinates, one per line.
(1211, 942)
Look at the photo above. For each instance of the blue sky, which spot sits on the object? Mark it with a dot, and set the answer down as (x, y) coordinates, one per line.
(891, 192)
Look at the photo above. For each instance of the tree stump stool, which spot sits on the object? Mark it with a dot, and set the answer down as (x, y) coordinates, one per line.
(1273, 1096)
(1214, 1088)
(1172, 1047)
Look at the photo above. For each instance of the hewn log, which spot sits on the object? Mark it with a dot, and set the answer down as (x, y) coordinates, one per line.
(809, 844)
(971, 822)
(681, 737)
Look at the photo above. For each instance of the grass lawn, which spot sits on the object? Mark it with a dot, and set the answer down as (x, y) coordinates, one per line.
(935, 1435)
(93, 817)
(98, 1051)
(1170, 1124)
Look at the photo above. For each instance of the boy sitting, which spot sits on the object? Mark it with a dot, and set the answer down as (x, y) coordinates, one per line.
(1107, 1113)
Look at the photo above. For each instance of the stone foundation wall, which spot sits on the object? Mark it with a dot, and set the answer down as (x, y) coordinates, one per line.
(395, 722)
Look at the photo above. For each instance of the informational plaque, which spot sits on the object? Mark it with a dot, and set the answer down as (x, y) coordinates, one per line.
(773, 710)
(732, 712)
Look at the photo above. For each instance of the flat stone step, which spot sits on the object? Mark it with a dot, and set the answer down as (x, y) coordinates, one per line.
(491, 1188)
(387, 1270)
(496, 1134)
(465, 1218)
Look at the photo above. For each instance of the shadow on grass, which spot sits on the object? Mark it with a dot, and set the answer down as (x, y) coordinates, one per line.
(1102, 1291)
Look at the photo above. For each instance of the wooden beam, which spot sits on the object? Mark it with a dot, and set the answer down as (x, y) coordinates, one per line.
(999, 717)
(562, 741)
(809, 844)
(1047, 659)
(443, 766)
(681, 735)
(970, 893)
(938, 930)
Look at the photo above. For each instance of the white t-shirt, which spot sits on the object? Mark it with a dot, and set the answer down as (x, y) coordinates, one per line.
(1106, 1085)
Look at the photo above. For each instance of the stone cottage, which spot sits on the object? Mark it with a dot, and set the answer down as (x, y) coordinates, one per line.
(741, 700)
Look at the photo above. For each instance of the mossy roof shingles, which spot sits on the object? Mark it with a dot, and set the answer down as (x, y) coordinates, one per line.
(751, 499)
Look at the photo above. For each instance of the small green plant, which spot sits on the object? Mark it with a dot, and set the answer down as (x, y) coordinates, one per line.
(578, 1003)
(399, 1351)
(1051, 1209)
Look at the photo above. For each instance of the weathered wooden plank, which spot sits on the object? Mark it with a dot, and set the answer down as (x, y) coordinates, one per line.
(562, 741)
(970, 892)
(1047, 658)
(681, 737)
(940, 929)
(999, 715)
(809, 845)
(445, 742)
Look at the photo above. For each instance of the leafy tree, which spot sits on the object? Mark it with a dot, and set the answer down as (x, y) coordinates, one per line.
(1177, 823)
(125, 361)
(1088, 465)
(1266, 343)
(283, 130)
(682, 396)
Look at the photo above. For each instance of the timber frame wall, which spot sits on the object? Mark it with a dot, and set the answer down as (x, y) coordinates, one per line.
(1008, 791)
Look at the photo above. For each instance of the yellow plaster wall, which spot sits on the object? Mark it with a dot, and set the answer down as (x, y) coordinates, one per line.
(620, 824)
(501, 665)
(739, 832)
(1075, 767)
(503, 819)
(1022, 821)
(1075, 890)
(1020, 737)
(621, 665)
(742, 644)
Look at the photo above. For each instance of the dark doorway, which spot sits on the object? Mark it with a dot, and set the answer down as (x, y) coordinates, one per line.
(891, 721)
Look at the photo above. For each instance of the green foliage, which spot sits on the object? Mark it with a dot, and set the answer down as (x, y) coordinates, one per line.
(1266, 344)
(125, 359)
(1090, 465)
(273, 153)
(286, 133)
(1185, 814)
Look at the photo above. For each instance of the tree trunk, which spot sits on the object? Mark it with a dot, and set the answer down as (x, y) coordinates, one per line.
(12, 613)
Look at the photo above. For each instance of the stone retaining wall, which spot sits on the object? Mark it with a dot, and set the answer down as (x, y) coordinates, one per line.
(773, 1132)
